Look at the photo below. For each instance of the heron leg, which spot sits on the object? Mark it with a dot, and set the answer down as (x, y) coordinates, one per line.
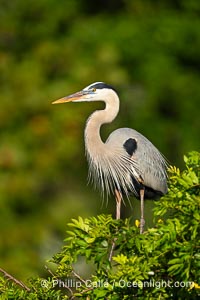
(142, 220)
(118, 198)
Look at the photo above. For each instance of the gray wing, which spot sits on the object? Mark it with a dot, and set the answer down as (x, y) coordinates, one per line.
(148, 162)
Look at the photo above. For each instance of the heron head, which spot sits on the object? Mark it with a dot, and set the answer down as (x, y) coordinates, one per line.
(94, 92)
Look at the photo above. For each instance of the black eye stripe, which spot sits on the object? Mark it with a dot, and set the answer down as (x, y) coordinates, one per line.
(101, 85)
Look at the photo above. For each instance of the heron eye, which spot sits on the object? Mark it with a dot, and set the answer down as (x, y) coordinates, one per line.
(94, 90)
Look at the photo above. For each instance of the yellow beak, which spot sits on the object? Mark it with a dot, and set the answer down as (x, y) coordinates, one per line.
(70, 98)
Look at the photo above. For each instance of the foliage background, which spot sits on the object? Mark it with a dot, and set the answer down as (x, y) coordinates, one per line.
(149, 50)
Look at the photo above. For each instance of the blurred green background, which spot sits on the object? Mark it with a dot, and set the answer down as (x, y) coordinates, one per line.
(148, 50)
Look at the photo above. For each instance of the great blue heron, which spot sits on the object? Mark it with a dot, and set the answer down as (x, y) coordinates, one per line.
(127, 163)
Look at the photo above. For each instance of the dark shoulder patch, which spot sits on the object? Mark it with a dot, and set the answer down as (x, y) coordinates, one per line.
(130, 146)
(102, 85)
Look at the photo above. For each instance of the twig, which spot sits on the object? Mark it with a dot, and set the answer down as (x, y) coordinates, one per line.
(48, 270)
(112, 249)
(64, 285)
(82, 293)
(16, 281)
(78, 276)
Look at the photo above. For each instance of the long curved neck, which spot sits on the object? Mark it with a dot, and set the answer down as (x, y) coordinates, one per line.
(93, 141)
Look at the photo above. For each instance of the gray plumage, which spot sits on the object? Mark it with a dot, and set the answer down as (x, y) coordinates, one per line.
(110, 166)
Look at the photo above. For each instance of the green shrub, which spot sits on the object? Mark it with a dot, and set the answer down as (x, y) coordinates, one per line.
(162, 263)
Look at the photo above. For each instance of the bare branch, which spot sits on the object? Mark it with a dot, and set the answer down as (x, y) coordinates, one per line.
(16, 281)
